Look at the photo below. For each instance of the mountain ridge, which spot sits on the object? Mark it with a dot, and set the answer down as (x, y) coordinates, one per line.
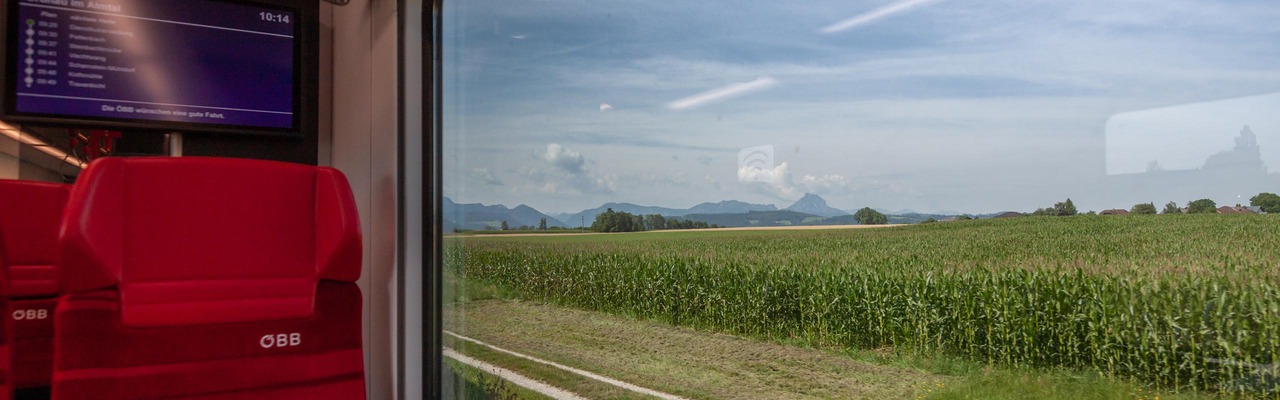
(815, 205)
(811, 209)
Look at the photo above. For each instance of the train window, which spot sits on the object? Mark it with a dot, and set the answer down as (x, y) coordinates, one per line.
(868, 199)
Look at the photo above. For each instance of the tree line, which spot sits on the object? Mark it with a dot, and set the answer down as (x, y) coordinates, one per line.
(621, 221)
(1267, 202)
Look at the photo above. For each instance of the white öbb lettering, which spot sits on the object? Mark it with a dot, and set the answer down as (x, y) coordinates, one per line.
(280, 340)
(20, 315)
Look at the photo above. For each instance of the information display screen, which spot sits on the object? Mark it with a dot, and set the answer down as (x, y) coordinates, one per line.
(176, 64)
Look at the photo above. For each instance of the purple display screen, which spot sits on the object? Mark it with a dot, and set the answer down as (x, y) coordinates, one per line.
(189, 62)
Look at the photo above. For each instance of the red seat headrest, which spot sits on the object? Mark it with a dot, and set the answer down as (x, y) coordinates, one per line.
(30, 215)
(209, 240)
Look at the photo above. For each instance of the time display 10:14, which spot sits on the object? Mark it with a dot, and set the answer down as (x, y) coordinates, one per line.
(274, 17)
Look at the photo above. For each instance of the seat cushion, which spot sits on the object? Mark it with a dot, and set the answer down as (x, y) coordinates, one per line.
(315, 357)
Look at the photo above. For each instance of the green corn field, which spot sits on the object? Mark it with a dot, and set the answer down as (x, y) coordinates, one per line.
(1181, 302)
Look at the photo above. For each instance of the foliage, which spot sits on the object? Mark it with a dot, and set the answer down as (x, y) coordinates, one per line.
(929, 221)
(868, 216)
(1059, 209)
(1143, 208)
(655, 222)
(504, 226)
(1171, 208)
(542, 224)
(1064, 209)
(1098, 293)
(1202, 206)
(616, 221)
(1269, 202)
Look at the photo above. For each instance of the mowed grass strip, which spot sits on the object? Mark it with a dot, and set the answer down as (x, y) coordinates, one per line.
(464, 382)
(1178, 301)
(556, 377)
(680, 361)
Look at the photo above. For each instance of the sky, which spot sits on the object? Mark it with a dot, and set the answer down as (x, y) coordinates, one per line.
(927, 105)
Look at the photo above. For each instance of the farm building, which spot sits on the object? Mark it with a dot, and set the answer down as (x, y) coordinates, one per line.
(1235, 210)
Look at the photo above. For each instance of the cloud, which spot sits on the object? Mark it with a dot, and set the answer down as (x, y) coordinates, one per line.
(712, 183)
(723, 93)
(484, 177)
(823, 184)
(568, 160)
(780, 182)
(564, 172)
(875, 15)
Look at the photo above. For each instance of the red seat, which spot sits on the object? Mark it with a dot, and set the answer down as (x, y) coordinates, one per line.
(6, 331)
(30, 216)
(203, 278)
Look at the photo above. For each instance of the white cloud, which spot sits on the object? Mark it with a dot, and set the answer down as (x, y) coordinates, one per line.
(482, 176)
(564, 173)
(565, 159)
(874, 15)
(823, 184)
(780, 182)
(723, 93)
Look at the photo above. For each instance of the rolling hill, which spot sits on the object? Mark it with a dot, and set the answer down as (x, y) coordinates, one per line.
(480, 217)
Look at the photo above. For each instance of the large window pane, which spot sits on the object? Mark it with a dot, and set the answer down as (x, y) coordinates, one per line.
(1004, 153)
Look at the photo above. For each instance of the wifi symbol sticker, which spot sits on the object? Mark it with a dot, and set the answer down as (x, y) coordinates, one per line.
(755, 159)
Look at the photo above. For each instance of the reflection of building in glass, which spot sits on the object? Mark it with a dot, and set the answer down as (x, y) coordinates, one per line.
(1246, 156)
(1227, 177)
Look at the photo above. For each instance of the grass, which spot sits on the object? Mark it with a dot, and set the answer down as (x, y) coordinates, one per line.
(1160, 299)
(709, 365)
(577, 384)
(463, 382)
(684, 362)
(519, 232)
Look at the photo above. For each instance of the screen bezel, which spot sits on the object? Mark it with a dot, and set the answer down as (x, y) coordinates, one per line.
(305, 82)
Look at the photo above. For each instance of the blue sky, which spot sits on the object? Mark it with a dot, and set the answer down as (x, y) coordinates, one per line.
(972, 106)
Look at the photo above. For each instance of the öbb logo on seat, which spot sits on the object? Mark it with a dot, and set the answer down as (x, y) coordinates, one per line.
(280, 340)
(19, 315)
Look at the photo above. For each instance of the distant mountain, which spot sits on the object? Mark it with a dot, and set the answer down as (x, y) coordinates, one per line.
(841, 220)
(815, 205)
(723, 207)
(758, 218)
(729, 207)
(590, 215)
(481, 217)
(915, 218)
(904, 218)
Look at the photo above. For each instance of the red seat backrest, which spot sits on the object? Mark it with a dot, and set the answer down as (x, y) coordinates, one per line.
(224, 251)
(30, 216)
(207, 240)
(6, 376)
